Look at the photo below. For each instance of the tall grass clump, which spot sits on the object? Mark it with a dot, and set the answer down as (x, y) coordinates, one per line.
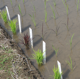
(12, 24)
(77, 5)
(33, 19)
(70, 63)
(57, 74)
(38, 56)
(56, 50)
(71, 42)
(4, 16)
(19, 9)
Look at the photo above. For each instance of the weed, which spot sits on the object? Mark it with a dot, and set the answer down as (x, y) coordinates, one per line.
(71, 42)
(56, 75)
(19, 9)
(33, 19)
(70, 63)
(53, 12)
(26, 41)
(38, 56)
(77, 5)
(56, 50)
(12, 24)
(4, 16)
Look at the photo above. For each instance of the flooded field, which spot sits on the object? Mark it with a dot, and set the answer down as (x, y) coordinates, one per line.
(56, 32)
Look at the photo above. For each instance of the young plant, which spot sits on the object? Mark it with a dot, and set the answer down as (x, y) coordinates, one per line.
(57, 74)
(26, 41)
(71, 42)
(33, 19)
(38, 56)
(12, 24)
(19, 9)
(70, 63)
(53, 12)
(56, 50)
(77, 5)
(4, 16)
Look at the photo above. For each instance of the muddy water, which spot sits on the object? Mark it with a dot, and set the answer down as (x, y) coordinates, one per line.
(61, 41)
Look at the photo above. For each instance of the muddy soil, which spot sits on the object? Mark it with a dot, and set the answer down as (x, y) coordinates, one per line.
(16, 65)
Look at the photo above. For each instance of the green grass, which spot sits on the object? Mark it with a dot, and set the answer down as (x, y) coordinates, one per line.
(12, 24)
(71, 41)
(4, 16)
(53, 12)
(56, 50)
(70, 63)
(33, 19)
(56, 75)
(38, 56)
(19, 9)
(77, 5)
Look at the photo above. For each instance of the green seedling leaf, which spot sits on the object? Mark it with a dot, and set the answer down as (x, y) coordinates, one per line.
(33, 19)
(52, 11)
(54, 3)
(56, 50)
(12, 24)
(4, 16)
(45, 11)
(70, 63)
(71, 41)
(38, 56)
(11, 2)
(56, 75)
(19, 9)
